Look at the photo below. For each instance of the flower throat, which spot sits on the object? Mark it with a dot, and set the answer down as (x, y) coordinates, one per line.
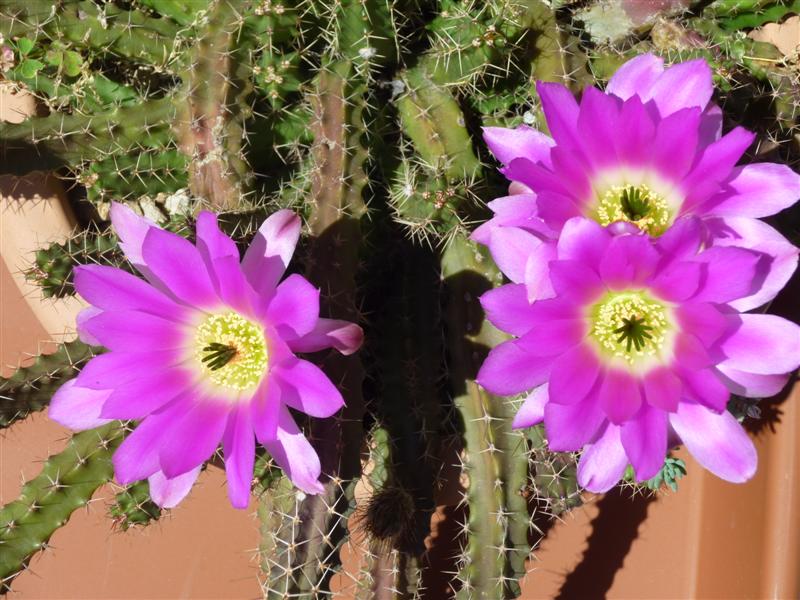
(231, 350)
(634, 204)
(629, 326)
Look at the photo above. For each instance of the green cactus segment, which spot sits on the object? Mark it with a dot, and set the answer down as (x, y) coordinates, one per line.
(67, 482)
(496, 462)
(216, 89)
(126, 177)
(52, 269)
(766, 12)
(70, 139)
(435, 124)
(182, 12)
(133, 507)
(85, 26)
(29, 389)
(554, 476)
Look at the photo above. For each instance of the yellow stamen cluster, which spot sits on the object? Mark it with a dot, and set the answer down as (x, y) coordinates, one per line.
(638, 204)
(243, 366)
(630, 326)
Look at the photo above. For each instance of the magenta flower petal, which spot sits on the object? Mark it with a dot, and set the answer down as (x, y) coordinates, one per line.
(681, 241)
(636, 133)
(717, 441)
(507, 307)
(714, 166)
(193, 437)
(751, 385)
(575, 281)
(306, 388)
(265, 409)
(537, 280)
(573, 375)
(603, 462)
(679, 282)
(178, 264)
(561, 111)
(221, 257)
(757, 190)
(78, 408)
(239, 446)
(636, 77)
(107, 371)
(684, 85)
(269, 254)
(211, 242)
(294, 309)
(168, 493)
(705, 387)
(120, 330)
(763, 344)
(524, 141)
(662, 389)
(644, 439)
(531, 412)
(112, 289)
(629, 259)
(139, 397)
(599, 119)
(137, 456)
(344, 336)
(780, 255)
(584, 241)
(510, 369)
(511, 248)
(295, 455)
(81, 319)
(705, 321)
(620, 395)
(571, 426)
(131, 229)
(718, 285)
(676, 142)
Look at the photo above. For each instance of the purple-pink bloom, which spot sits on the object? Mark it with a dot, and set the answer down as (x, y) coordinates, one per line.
(640, 346)
(647, 151)
(203, 353)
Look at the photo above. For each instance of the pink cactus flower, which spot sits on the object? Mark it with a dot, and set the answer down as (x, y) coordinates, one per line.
(647, 151)
(203, 352)
(640, 346)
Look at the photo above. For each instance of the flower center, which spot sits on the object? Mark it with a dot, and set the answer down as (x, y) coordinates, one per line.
(231, 350)
(635, 204)
(630, 326)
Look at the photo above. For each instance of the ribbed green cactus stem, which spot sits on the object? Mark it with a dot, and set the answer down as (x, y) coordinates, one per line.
(52, 268)
(70, 139)
(67, 482)
(29, 389)
(212, 106)
(84, 25)
(554, 475)
(133, 507)
(495, 462)
(125, 177)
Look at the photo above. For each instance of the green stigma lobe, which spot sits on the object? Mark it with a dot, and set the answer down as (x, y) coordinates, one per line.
(630, 326)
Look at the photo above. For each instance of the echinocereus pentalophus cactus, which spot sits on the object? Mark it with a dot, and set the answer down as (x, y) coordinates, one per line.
(364, 134)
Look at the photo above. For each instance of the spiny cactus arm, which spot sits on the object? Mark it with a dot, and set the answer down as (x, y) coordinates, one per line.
(67, 482)
(216, 89)
(554, 475)
(52, 268)
(83, 25)
(496, 462)
(60, 139)
(133, 507)
(29, 389)
(183, 13)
